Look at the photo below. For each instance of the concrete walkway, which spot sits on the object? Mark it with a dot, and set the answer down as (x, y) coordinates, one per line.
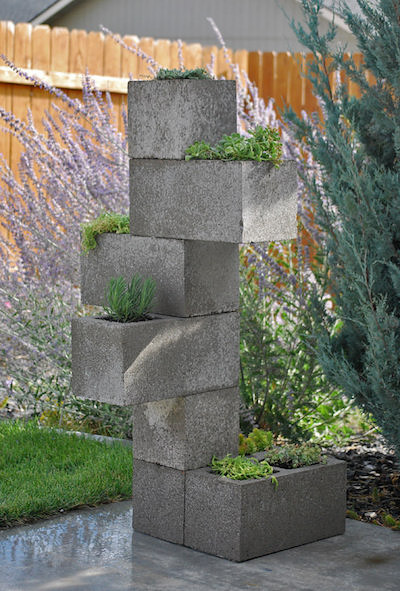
(96, 550)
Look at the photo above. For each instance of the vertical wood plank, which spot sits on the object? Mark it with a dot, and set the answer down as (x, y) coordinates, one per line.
(207, 57)
(77, 51)
(268, 88)
(129, 60)
(21, 97)
(59, 61)
(354, 89)
(282, 80)
(95, 53)
(311, 103)
(192, 55)
(241, 58)
(223, 66)
(173, 55)
(162, 52)
(41, 59)
(7, 48)
(295, 83)
(112, 58)
(146, 44)
(255, 68)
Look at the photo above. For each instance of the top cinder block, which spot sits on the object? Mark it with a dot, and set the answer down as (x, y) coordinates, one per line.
(166, 116)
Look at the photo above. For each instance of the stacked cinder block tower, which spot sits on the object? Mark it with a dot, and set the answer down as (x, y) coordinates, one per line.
(180, 371)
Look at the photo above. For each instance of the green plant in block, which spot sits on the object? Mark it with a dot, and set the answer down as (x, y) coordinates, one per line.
(129, 302)
(241, 468)
(258, 440)
(291, 455)
(262, 145)
(174, 74)
(106, 222)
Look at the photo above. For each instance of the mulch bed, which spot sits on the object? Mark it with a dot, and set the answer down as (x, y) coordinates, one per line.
(373, 481)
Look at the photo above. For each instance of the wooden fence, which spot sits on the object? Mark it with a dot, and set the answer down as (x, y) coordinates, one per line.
(60, 57)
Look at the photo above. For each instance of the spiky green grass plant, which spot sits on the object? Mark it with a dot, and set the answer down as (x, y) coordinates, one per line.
(129, 302)
(43, 472)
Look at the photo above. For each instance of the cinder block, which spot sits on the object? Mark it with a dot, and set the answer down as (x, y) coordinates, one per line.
(131, 363)
(184, 433)
(166, 116)
(192, 278)
(213, 200)
(158, 501)
(243, 519)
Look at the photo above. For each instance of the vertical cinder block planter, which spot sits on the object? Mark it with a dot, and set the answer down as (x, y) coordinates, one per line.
(193, 278)
(132, 363)
(167, 116)
(213, 200)
(180, 370)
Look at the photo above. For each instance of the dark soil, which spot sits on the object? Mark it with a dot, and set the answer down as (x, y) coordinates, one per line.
(373, 481)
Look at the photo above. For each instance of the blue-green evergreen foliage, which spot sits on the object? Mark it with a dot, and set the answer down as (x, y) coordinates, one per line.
(357, 201)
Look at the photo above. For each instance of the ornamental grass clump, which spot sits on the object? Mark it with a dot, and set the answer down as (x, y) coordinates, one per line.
(263, 144)
(129, 302)
(241, 468)
(116, 223)
(175, 74)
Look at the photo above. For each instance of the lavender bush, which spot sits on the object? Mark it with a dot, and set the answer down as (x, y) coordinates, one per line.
(68, 175)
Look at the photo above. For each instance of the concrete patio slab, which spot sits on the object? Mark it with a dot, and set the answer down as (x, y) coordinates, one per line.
(95, 550)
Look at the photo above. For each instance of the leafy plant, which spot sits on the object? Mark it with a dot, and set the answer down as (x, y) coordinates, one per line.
(263, 144)
(241, 468)
(280, 377)
(175, 74)
(290, 455)
(357, 206)
(129, 303)
(258, 440)
(105, 222)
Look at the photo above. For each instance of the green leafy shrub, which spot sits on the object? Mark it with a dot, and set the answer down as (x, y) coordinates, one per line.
(241, 468)
(281, 380)
(174, 74)
(263, 145)
(106, 222)
(356, 195)
(258, 440)
(290, 455)
(132, 302)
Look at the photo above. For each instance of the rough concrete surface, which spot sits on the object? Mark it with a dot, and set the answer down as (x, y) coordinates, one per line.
(192, 277)
(166, 116)
(239, 519)
(128, 363)
(95, 550)
(213, 200)
(185, 432)
(158, 501)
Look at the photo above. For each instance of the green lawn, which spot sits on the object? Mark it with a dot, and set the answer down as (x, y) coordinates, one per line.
(43, 471)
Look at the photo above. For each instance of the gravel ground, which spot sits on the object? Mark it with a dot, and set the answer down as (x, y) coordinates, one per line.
(373, 481)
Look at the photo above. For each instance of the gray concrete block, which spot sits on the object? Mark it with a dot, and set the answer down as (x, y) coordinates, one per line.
(193, 278)
(131, 363)
(244, 519)
(185, 432)
(166, 116)
(158, 501)
(213, 200)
